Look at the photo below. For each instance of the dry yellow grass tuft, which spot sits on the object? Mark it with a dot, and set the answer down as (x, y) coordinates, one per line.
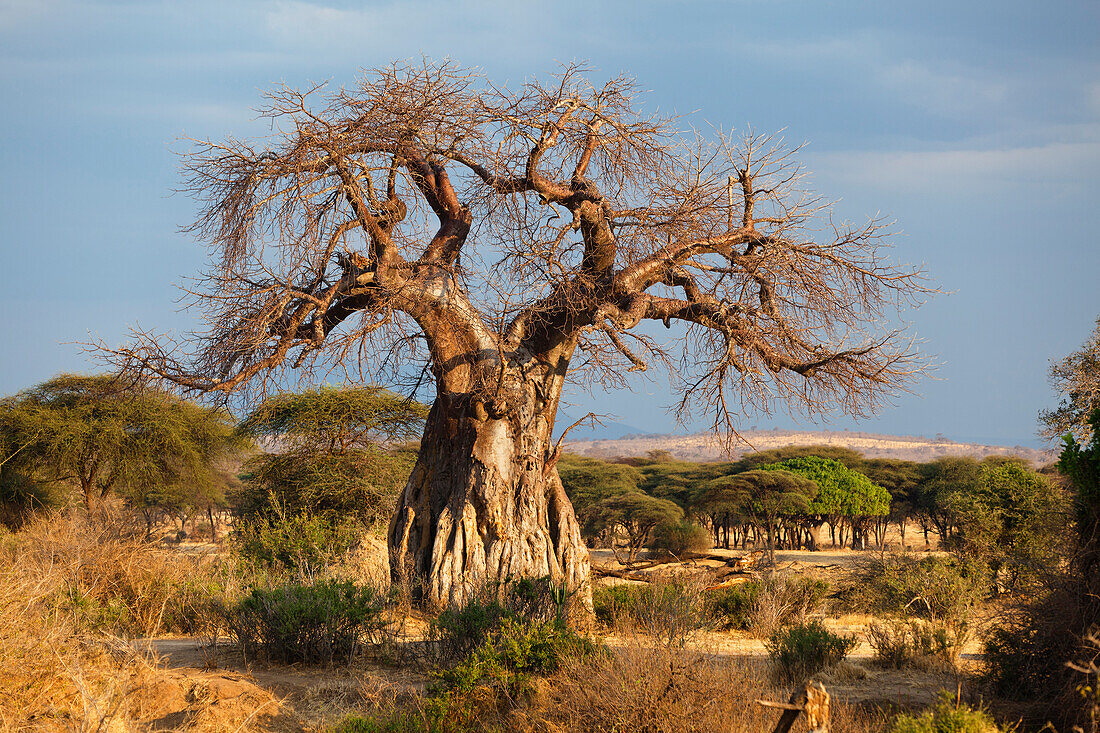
(65, 587)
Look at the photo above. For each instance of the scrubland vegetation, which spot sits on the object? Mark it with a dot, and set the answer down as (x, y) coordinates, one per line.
(970, 584)
(283, 580)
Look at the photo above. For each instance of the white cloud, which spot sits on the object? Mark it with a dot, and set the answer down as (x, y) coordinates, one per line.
(494, 28)
(942, 170)
(946, 91)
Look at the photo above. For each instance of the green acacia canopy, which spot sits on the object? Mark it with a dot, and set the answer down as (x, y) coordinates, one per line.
(335, 419)
(841, 491)
(332, 457)
(98, 435)
(775, 492)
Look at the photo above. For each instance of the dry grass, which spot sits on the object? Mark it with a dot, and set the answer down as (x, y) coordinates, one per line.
(64, 586)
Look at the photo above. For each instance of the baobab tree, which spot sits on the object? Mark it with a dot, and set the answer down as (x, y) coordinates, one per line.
(497, 242)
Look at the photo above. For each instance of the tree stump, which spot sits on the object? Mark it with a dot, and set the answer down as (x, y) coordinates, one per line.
(811, 699)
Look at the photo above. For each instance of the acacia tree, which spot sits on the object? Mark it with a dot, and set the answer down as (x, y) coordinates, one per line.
(332, 452)
(504, 240)
(843, 496)
(92, 433)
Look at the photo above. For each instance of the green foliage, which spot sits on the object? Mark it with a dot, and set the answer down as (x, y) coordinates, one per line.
(314, 624)
(846, 456)
(901, 479)
(334, 420)
(841, 491)
(457, 631)
(677, 538)
(803, 650)
(358, 484)
(911, 643)
(668, 609)
(732, 607)
(21, 497)
(294, 542)
(1081, 464)
(942, 590)
(514, 653)
(634, 515)
(946, 717)
(1008, 518)
(331, 462)
(100, 435)
(769, 602)
(1077, 379)
(588, 481)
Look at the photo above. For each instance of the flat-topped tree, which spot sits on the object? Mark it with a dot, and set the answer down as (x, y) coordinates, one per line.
(506, 240)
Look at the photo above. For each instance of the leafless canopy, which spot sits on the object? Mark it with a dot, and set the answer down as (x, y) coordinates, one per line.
(428, 216)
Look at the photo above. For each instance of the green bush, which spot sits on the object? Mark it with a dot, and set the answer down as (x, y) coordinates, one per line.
(669, 608)
(517, 651)
(766, 604)
(356, 484)
(943, 590)
(732, 607)
(314, 623)
(900, 644)
(294, 542)
(946, 717)
(456, 632)
(803, 650)
(678, 538)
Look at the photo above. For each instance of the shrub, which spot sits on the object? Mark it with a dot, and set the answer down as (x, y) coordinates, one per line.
(456, 632)
(803, 650)
(677, 538)
(943, 590)
(668, 609)
(901, 644)
(294, 542)
(507, 660)
(946, 717)
(762, 606)
(314, 623)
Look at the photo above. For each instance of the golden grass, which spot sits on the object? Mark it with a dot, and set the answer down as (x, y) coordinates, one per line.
(65, 587)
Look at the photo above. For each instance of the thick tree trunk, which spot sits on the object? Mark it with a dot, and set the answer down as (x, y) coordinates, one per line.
(482, 507)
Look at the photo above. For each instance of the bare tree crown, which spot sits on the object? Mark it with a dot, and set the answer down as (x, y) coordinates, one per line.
(429, 215)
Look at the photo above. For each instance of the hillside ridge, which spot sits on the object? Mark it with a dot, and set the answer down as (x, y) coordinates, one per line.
(706, 447)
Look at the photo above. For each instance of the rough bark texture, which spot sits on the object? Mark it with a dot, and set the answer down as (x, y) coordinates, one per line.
(481, 507)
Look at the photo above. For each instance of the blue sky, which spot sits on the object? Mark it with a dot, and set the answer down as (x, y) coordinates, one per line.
(975, 125)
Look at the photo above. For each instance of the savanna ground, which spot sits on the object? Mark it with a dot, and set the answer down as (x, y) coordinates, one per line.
(101, 629)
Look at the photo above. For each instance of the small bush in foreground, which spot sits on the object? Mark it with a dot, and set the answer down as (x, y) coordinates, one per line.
(512, 656)
(946, 717)
(668, 609)
(803, 650)
(762, 606)
(294, 542)
(314, 623)
(900, 644)
(458, 631)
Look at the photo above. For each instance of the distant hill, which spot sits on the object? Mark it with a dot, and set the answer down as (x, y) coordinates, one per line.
(705, 447)
(609, 430)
